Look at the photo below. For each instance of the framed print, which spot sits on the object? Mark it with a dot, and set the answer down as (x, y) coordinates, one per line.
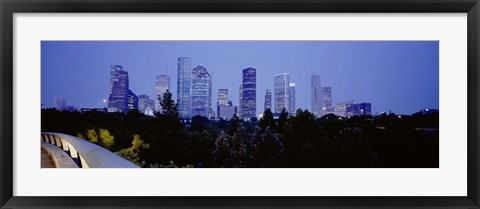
(239, 104)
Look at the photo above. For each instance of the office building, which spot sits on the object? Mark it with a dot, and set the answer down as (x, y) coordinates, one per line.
(268, 100)
(291, 91)
(249, 93)
(316, 96)
(201, 94)
(184, 81)
(327, 99)
(365, 108)
(59, 103)
(145, 103)
(162, 84)
(132, 101)
(118, 95)
(282, 92)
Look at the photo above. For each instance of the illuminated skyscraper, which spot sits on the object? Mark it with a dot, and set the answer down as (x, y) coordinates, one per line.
(240, 101)
(132, 101)
(248, 94)
(118, 95)
(316, 96)
(162, 84)
(282, 92)
(183, 86)
(201, 93)
(327, 99)
(268, 100)
(291, 91)
(222, 100)
(145, 104)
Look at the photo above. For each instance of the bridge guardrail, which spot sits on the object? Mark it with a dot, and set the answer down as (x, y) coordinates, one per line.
(85, 153)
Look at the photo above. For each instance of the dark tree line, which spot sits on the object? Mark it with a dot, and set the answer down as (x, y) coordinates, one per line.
(299, 141)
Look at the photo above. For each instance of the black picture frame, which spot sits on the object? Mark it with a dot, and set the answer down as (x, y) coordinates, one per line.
(9, 7)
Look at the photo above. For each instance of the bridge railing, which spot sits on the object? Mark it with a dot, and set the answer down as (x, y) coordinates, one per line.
(85, 153)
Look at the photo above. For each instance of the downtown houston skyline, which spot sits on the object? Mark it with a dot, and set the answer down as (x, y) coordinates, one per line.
(399, 76)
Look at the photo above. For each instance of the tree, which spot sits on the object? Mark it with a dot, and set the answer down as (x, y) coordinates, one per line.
(282, 120)
(92, 136)
(169, 107)
(268, 151)
(267, 120)
(234, 123)
(221, 152)
(107, 140)
(306, 143)
(133, 153)
(241, 155)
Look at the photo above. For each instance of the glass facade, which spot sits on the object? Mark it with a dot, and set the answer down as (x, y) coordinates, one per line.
(162, 84)
(201, 94)
(249, 93)
(145, 104)
(183, 86)
(118, 95)
(365, 108)
(268, 100)
(327, 99)
(132, 101)
(316, 96)
(222, 100)
(282, 92)
(291, 91)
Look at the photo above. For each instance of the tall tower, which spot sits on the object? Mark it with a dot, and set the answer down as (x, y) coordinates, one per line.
(248, 103)
(282, 95)
(201, 92)
(268, 100)
(162, 84)
(291, 91)
(240, 101)
(59, 103)
(222, 100)
(183, 86)
(119, 92)
(316, 96)
(327, 99)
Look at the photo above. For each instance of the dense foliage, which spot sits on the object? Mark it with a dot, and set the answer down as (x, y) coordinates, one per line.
(299, 141)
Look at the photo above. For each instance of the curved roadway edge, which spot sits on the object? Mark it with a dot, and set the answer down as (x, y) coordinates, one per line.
(59, 157)
(92, 155)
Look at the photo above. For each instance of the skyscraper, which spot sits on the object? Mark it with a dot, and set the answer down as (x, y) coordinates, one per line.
(201, 93)
(162, 84)
(282, 95)
(240, 101)
(327, 99)
(145, 104)
(316, 96)
(291, 91)
(249, 93)
(365, 108)
(118, 95)
(59, 103)
(183, 86)
(132, 101)
(222, 100)
(268, 100)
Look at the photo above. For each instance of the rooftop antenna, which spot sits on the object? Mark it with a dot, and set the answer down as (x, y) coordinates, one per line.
(167, 70)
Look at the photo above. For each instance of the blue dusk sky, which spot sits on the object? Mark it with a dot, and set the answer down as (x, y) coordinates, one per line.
(401, 76)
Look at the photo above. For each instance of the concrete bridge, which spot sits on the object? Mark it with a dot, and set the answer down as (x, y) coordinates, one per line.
(65, 151)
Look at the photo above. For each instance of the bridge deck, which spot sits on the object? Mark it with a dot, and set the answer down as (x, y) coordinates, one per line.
(47, 161)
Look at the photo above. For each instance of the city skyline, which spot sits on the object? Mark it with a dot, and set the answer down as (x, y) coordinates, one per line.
(426, 85)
